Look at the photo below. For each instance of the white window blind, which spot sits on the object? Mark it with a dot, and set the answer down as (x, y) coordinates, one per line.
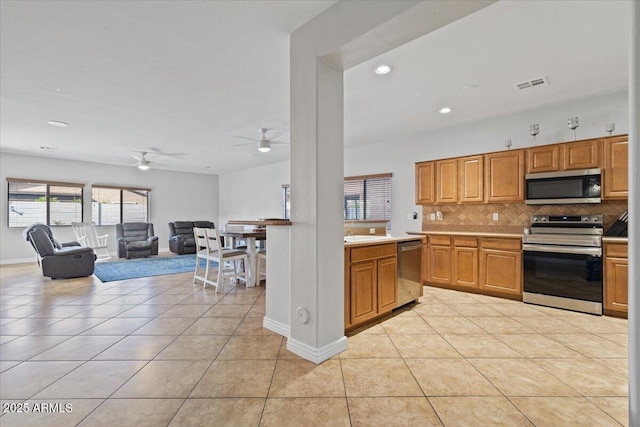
(367, 197)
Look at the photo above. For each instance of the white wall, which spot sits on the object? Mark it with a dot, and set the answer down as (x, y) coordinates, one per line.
(257, 192)
(253, 193)
(174, 196)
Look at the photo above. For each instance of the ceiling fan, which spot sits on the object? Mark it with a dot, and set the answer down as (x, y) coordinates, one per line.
(143, 163)
(264, 144)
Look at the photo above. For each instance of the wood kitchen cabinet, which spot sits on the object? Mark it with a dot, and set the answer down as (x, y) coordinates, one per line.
(371, 282)
(582, 154)
(447, 181)
(616, 168)
(504, 176)
(471, 179)
(545, 158)
(439, 270)
(616, 277)
(425, 183)
(485, 265)
(464, 262)
(501, 266)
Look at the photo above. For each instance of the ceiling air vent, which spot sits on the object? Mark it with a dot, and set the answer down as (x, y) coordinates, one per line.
(532, 83)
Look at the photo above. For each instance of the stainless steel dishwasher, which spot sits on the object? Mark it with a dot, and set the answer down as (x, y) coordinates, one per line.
(409, 271)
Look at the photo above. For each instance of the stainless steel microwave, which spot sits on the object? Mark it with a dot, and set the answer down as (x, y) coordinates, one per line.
(562, 188)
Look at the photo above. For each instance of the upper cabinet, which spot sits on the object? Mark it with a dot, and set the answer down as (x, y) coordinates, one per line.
(582, 154)
(546, 158)
(447, 181)
(568, 156)
(499, 177)
(425, 183)
(471, 179)
(616, 168)
(504, 176)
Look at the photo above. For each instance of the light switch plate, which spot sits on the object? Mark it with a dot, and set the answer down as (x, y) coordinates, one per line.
(496, 216)
(433, 216)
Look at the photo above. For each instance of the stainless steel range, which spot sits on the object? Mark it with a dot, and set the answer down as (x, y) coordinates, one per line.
(563, 262)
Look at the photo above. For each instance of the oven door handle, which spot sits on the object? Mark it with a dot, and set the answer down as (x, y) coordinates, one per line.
(562, 249)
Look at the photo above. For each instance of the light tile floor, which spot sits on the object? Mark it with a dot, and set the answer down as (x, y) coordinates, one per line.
(159, 351)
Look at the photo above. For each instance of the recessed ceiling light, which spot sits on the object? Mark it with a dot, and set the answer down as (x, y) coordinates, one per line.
(469, 87)
(444, 110)
(58, 123)
(383, 69)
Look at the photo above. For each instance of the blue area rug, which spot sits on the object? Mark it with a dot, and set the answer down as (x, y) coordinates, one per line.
(110, 271)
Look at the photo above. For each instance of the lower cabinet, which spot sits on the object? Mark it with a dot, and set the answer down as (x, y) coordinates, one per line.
(501, 266)
(616, 277)
(486, 265)
(371, 285)
(464, 263)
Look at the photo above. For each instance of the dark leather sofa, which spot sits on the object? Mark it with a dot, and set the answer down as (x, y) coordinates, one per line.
(181, 240)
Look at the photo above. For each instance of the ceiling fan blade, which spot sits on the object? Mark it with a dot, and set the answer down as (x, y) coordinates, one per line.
(246, 137)
(279, 142)
(275, 135)
(136, 157)
(164, 153)
(244, 143)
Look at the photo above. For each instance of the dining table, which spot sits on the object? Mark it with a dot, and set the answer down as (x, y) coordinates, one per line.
(251, 237)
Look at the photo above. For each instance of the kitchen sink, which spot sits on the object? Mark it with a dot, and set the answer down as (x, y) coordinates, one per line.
(353, 239)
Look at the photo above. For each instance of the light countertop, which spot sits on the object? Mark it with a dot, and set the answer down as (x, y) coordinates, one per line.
(383, 240)
(469, 233)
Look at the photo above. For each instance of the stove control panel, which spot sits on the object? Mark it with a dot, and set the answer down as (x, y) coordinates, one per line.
(567, 219)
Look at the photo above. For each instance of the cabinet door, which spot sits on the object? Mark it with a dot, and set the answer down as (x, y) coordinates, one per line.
(504, 176)
(425, 262)
(425, 183)
(545, 158)
(582, 154)
(447, 181)
(501, 271)
(364, 291)
(465, 266)
(616, 167)
(439, 264)
(471, 179)
(616, 287)
(387, 284)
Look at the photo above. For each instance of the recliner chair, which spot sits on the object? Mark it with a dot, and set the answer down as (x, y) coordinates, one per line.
(62, 262)
(181, 239)
(136, 240)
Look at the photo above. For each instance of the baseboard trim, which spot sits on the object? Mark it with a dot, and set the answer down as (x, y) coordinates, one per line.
(277, 327)
(19, 261)
(317, 355)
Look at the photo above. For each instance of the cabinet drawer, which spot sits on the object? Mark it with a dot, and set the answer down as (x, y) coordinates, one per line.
(440, 240)
(505, 244)
(372, 252)
(619, 250)
(465, 241)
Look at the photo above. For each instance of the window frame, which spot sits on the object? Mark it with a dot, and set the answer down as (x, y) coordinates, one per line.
(121, 190)
(48, 185)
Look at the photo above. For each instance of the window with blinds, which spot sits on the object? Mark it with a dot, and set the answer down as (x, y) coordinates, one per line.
(113, 205)
(48, 202)
(367, 197)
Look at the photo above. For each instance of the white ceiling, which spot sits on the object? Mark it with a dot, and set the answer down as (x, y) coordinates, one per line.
(188, 76)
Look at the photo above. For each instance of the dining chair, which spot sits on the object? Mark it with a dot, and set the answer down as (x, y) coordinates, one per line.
(210, 250)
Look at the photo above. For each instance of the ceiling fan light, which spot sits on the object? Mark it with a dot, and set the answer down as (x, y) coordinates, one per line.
(143, 165)
(264, 146)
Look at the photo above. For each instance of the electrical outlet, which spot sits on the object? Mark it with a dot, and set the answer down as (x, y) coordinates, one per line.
(439, 215)
(496, 216)
(433, 216)
(372, 231)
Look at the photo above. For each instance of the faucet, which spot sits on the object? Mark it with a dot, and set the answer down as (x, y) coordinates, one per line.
(349, 227)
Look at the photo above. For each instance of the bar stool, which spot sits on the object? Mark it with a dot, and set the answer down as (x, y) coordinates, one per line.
(262, 265)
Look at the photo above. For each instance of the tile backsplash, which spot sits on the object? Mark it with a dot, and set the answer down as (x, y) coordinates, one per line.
(512, 216)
